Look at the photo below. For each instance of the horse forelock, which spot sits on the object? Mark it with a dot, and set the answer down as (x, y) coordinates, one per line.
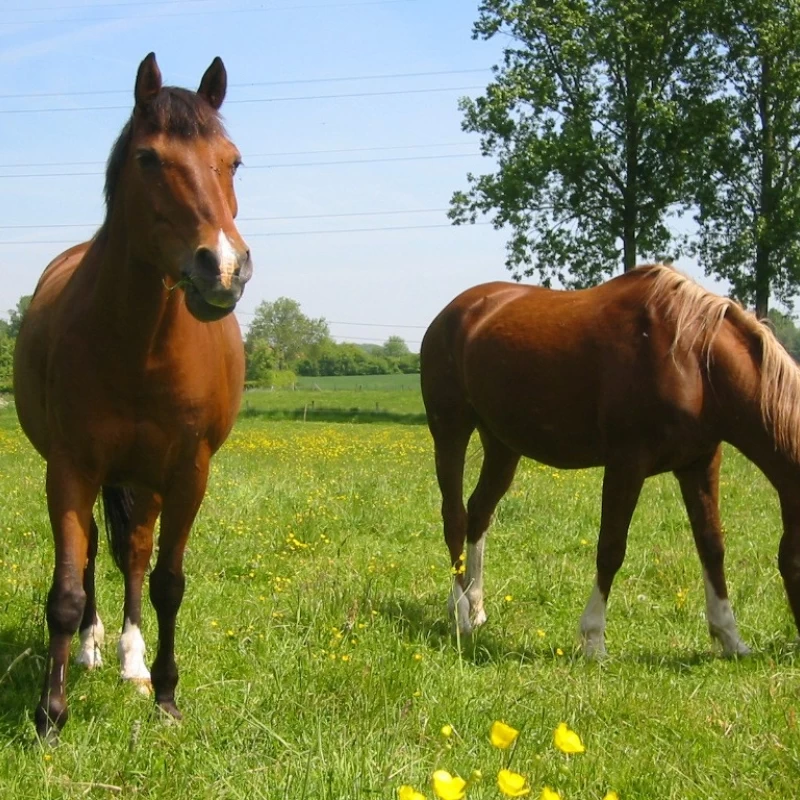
(698, 315)
(176, 112)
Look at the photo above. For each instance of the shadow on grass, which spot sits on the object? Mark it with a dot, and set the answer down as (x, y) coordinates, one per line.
(321, 414)
(22, 658)
(425, 624)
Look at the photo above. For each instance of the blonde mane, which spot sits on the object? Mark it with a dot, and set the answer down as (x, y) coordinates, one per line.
(698, 316)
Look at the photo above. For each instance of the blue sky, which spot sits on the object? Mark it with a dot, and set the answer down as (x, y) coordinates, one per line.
(66, 81)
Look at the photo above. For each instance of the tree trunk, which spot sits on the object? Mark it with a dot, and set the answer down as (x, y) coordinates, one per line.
(630, 212)
(762, 279)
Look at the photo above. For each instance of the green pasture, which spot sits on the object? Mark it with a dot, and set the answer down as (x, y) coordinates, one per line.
(315, 654)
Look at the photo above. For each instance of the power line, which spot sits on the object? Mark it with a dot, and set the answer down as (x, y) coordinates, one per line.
(261, 155)
(253, 219)
(208, 12)
(103, 5)
(385, 93)
(291, 233)
(292, 82)
(359, 324)
(269, 166)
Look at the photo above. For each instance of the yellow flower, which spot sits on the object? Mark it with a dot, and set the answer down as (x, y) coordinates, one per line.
(549, 794)
(611, 796)
(502, 735)
(447, 786)
(509, 598)
(512, 784)
(417, 656)
(567, 741)
(559, 651)
(447, 731)
(409, 793)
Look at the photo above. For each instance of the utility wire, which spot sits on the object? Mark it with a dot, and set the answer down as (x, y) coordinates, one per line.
(292, 82)
(208, 12)
(268, 166)
(103, 5)
(387, 93)
(274, 234)
(252, 219)
(261, 155)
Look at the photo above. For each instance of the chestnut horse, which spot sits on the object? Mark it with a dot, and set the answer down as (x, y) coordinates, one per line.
(645, 374)
(127, 386)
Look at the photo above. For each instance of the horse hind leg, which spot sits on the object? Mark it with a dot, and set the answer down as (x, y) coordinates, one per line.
(622, 485)
(700, 490)
(91, 631)
(497, 473)
(451, 433)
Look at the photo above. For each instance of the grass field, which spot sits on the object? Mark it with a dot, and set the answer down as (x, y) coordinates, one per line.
(391, 383)
(315, 654)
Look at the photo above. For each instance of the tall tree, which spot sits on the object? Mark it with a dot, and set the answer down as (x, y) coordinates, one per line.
(284, 327)
(748, 192)
(591, 117)
(395, 347)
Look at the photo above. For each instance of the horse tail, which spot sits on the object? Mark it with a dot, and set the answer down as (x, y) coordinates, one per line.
(117, 509)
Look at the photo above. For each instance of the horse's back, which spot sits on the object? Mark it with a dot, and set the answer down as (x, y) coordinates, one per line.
(559, 376)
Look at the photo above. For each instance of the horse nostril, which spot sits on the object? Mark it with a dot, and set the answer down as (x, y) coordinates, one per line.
(244, 266)
(206, 262)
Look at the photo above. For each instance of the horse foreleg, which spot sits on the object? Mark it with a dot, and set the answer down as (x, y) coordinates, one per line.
(700, 489)
(167, 582)
(91, 632)
(69, 500)
(497, 473)
(131, 647)
(622, 486)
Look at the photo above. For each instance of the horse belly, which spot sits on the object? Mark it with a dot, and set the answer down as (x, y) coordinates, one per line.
(553, 420)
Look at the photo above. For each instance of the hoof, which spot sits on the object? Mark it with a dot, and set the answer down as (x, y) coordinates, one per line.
(48, 729)
(168, 712)
(593, 647)
(732, 646)
(737, 650)
(142, 685)
(89, 659)
(478, 618)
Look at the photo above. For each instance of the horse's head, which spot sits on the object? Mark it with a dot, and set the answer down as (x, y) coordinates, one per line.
(176, 164)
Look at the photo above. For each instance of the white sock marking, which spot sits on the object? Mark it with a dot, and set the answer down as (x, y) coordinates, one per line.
(593, 625)
(721, 622)
(131, 650)
(473, 580)
(92, 639)
(458, 606)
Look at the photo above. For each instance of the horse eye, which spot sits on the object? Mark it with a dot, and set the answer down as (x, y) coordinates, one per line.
(235, 166)
(148, 159)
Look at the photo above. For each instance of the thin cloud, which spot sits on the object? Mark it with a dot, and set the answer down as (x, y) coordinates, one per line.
(63, 42)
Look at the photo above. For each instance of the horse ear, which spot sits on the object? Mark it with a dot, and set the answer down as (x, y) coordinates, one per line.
(148, 81)
(214, 83)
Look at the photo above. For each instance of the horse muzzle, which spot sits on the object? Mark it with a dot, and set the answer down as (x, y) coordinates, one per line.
(215, 280)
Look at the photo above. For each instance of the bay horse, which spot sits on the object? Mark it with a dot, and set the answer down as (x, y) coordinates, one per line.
(644, 374)
(128, 374)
